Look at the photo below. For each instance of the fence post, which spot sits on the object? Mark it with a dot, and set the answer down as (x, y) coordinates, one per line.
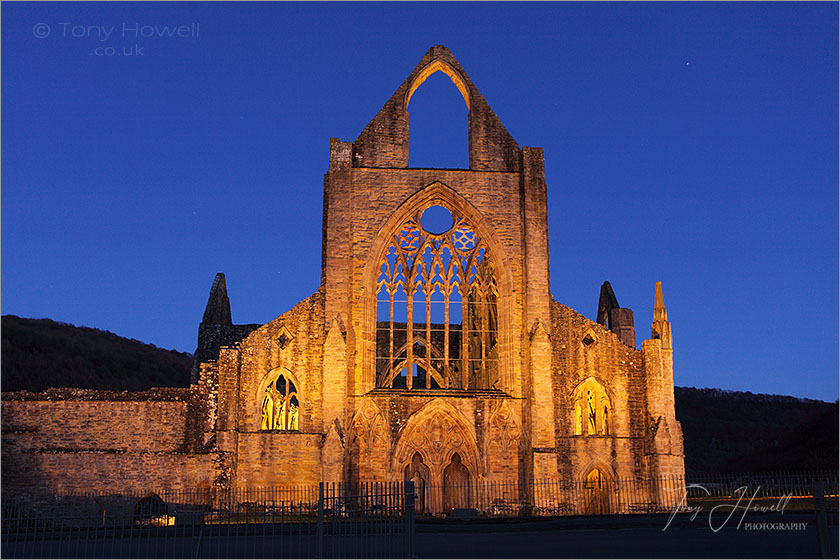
(319, 534)
(408, 514)
(822, 528)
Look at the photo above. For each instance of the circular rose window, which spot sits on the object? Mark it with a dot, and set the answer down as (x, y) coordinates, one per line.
(436, 220)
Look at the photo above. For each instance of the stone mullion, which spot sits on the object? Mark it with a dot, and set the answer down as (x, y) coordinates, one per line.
(382, 283)
(428, 342)
(402, 259)
(447, 290)
(485, 319)
(286, 400)
(427, 289)
(409, 327)
(389, 283)
(483, 325)
(391, 291)
(465, 322)
(492, 309)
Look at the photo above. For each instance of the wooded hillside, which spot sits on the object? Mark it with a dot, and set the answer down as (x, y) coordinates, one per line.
(41, 353)
(727, 431)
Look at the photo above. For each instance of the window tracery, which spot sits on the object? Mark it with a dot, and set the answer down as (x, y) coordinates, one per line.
(592, 410)
(437, 318)
(280, 405)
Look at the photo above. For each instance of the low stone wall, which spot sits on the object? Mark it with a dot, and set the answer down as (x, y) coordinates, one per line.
(68, 441)
(100, 423)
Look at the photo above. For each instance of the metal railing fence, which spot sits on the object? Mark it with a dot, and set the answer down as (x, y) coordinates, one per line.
(365, 519)
(626, 495)
(317, 521)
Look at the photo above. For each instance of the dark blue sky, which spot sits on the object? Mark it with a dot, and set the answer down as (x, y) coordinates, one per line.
(695, 144)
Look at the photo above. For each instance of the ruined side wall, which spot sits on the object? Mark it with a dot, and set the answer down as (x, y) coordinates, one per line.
(620, 369)
(98, 441)
(274, 458)
(62, 472)
(261, 353)
(137, 426)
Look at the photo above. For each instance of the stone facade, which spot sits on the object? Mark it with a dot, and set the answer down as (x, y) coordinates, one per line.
(430, 351)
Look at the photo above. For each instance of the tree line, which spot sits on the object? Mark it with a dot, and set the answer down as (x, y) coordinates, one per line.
(41, 353)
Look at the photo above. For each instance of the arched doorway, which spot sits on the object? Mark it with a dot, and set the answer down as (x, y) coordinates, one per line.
(456, 485)
(596, 494)
(418, 473)
(438, 445)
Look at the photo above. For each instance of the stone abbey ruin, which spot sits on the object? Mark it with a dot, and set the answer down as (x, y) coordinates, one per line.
(429, 353)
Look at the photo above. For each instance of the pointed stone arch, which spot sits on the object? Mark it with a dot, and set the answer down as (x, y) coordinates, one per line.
(274, 374)
(437, 431)
(439, 194)
(584, 377)
(292, 396)
(438, 105)
(599, 463)
(369, 443)
(600, 491)
(369, 426)
(593, 408)
(439, 66)
(418, 472)
(384, 141)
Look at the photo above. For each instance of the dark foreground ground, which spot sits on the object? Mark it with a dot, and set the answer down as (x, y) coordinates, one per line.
(789, 535)
(629, 537)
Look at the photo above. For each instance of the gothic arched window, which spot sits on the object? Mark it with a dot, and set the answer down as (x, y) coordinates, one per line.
(280, 405)
(437, 320)
(592, 410)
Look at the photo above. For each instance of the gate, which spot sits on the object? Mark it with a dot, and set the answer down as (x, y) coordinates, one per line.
(596, 494)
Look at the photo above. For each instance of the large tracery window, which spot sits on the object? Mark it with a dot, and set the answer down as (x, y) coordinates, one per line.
(437, 320)
(280, 405)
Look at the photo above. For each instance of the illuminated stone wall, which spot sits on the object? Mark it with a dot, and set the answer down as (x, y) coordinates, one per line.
(290, 345)
(70, 440)
(267, 459)
(99, 424)
(369, 191)
(560, 396)
(619, 369)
